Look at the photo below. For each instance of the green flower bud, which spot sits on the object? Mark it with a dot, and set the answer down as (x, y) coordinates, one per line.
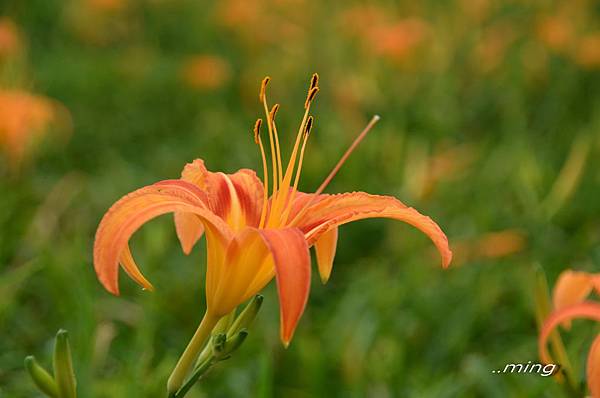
(246, 317)
(42, 379)
(233, 343)
(63, 366)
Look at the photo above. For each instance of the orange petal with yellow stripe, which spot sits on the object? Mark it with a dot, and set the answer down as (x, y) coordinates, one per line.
(237, 198)
(246, 269)
(135, 209)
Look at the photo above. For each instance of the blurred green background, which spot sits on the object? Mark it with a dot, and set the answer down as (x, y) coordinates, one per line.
(490, 125)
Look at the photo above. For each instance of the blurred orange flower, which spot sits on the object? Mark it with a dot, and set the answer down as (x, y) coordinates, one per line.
(491, 245)
(383, 35)
(260, 21)
(587, 52)
(24, 117)
(491, 49)
(556, 32)
(100, 22)
(447, 164)
(107, 5)
(10, 39)
(397, 40)
(205, 72)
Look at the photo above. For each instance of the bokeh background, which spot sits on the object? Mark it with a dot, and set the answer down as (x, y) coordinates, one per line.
(490, 125)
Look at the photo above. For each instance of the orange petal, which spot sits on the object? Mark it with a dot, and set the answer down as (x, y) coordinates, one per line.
(133, 210)
(596, 282)
(593, 368)
(237, 198)
(325, 248)
(189, 230)
(334, 210)
(129, 265)
(571, 287)
(586, 309)
(246, 269)
(292, 269)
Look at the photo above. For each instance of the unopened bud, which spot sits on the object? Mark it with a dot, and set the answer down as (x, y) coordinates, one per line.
(42, 379)
(246, 317)
(63, 366)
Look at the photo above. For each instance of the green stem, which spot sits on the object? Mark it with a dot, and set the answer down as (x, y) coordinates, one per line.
(198, 372)
(191, 352)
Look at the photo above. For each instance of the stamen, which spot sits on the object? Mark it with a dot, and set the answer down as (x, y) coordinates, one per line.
(308, 127)
(257, 130)
(310, 96)
(263, 88)
(277, 150)
(263, 213)
(263, 97)
(283, 190)
(337, 167)
(273, 112)
(314, 81)
(286, 213)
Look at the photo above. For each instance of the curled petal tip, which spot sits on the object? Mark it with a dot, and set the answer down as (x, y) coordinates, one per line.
(447, 259)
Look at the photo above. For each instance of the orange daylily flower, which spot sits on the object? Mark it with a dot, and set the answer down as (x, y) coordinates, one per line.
(573, 287)
(254, 233)
(587, 310)
(568, 298)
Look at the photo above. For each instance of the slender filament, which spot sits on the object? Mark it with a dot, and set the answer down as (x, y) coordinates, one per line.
(337, 168)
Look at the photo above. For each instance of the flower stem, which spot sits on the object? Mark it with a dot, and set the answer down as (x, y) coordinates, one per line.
(191, 352)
